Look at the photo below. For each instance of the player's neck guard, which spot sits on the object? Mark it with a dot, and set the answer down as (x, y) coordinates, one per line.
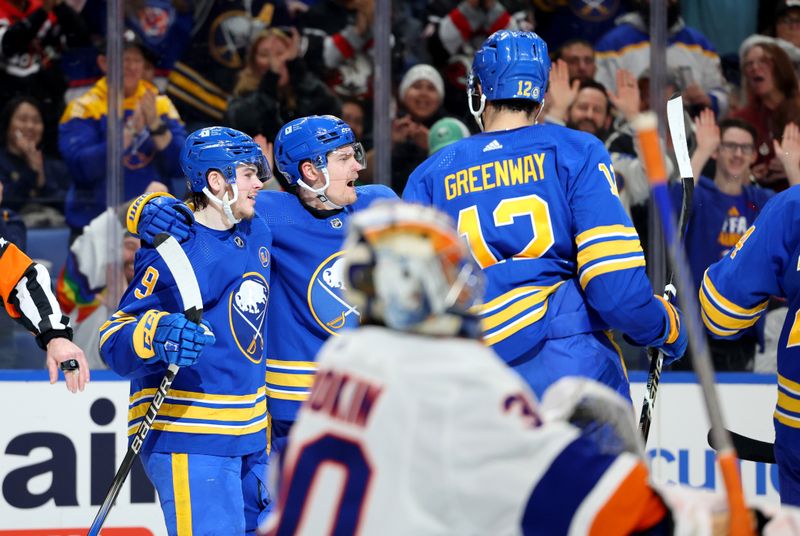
(225, 203)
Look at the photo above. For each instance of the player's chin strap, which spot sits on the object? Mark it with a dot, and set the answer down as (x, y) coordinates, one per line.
(225, 203)
(479, 112)
(320, 192)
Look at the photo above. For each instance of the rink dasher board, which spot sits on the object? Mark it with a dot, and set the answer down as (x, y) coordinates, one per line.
(59, 450)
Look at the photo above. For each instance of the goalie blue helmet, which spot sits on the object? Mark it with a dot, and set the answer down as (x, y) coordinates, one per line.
(511, 65)
(407, 268)
(311, 139)
(220, 149)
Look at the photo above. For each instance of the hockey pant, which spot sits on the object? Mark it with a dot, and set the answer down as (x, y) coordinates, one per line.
(787, 456)
(204, 495)
(591, 355)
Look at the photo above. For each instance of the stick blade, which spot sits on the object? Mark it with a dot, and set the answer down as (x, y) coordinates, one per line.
(677, 131)
(747, 448)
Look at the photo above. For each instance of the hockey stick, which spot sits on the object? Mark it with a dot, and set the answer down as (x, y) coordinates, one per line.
(747, 448)
(646, 126)
(677, 130)
(183, 274)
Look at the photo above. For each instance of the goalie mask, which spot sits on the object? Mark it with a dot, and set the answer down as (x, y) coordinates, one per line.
(406, 268)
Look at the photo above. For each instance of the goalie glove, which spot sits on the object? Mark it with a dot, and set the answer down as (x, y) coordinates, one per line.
(159, 212)
(171, 337)
(599, 412)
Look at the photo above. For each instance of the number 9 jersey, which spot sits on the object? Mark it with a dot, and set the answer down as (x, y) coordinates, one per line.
(540, 210)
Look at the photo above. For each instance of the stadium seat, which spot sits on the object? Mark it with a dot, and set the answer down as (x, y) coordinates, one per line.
(49, 244)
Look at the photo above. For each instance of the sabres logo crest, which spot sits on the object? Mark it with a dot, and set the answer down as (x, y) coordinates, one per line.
(325, 299)
(248, 310)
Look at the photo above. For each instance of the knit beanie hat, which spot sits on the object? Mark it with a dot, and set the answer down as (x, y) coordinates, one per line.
(444, 132)
(421, 72)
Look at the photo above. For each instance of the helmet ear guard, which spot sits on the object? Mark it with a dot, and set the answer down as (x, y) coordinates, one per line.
(407, 268)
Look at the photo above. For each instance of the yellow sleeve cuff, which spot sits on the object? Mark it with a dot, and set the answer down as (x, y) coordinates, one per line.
(144, 332)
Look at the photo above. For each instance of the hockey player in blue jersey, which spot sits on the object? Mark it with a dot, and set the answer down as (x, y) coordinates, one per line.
(318, 160)
(207, 451)
(735, 292)
(539, 208)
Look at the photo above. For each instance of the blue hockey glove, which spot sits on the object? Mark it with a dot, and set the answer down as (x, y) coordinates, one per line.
(171, 337)
(673, 342)
(151, 214)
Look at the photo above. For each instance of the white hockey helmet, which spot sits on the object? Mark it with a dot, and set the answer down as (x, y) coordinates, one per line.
(406, 268)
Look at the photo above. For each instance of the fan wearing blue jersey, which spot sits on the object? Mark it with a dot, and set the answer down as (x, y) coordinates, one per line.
(539, 208)
(735, 292)
(206, 453)
(318, 159)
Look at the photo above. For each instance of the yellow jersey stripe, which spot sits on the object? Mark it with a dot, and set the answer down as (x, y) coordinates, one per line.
(290, 380)
(605, 231)
(788, 403)
(182, 95)
(507, 297)
(788, 420)
(607, 249)
(515, 309)
(201, 397)
(723, 304)
(197, 78)
(110, 331)
(215, 101)
(789, 385)
(613, 265)
(300, 366)
(719, 317)
(505, 332)
(714, 329)
(204, 428)
(183, 498)
(299, 396)
(199, 412)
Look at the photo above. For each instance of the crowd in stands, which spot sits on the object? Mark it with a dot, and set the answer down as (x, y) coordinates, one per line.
(254, 65)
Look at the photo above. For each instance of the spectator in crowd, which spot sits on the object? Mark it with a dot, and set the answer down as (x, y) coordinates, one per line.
(579, 55)
(420, 94)
(458, 28)
(34, 182)
(338, 37)
(11, 225)
(445, 131)
(152, 139)
(356, 115)
(276, 87)
(725, 206)
(32, 35)
(589, 111)
(768, 81)
(689, 52)
(561, 22)
(784, 32)
(202, 79)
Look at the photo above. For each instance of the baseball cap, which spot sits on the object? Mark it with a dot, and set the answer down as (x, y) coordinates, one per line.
(444, 132)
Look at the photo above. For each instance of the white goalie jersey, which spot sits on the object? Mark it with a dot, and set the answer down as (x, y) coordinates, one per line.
(406, 434)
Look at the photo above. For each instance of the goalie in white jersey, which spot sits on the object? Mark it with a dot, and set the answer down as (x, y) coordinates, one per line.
(415, 427)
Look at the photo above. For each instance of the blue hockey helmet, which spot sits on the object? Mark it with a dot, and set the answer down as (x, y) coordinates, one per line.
(312, 138)
(511, 65)
(220, 149)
